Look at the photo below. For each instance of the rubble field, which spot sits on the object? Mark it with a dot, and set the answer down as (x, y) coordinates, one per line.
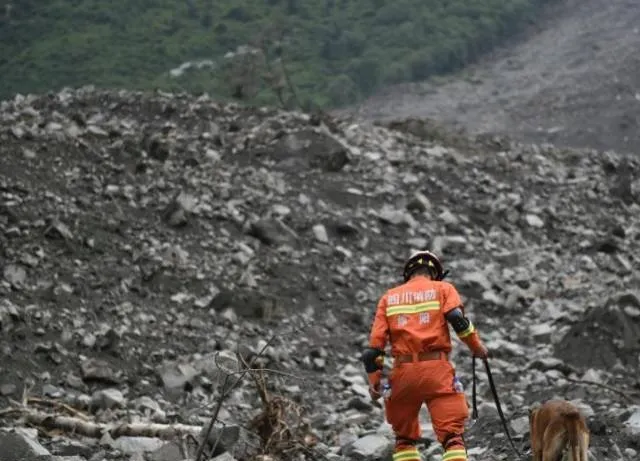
(153, 246)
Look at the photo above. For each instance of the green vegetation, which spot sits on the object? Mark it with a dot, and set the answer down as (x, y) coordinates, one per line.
(335, 51)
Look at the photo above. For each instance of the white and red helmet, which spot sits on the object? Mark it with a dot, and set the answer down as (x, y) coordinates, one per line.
(424, 259)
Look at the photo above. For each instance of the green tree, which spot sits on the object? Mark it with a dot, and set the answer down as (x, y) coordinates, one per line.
(335, 50)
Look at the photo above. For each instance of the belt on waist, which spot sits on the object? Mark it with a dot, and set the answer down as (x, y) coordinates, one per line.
(421, 357)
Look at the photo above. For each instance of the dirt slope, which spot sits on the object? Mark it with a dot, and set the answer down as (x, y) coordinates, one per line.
(574, 80)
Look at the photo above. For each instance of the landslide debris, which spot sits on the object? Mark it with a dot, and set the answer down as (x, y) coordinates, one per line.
(151, 244)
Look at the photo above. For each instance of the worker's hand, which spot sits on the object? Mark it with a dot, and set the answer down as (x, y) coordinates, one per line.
(374, 392)
(374, 384)
(481, 351)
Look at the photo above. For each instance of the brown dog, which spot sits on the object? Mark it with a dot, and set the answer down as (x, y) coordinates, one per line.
(554, 426)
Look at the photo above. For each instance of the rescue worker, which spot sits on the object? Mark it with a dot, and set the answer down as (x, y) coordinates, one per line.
(414, 318)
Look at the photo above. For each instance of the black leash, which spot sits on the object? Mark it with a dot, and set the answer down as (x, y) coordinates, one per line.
(474, 400)
(495, 398)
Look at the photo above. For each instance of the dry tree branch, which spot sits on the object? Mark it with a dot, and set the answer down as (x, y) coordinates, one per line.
(97, 430)
(625, 395)
(261, 386)
(226, 392)
(25, 394)
(82, 424)
(59, 405)
(78, 425)
(280, 424)
(270, 371)
(8, 411)
(226, 389)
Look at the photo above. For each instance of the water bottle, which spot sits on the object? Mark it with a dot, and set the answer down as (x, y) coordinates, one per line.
(457, 385)
(385, 388)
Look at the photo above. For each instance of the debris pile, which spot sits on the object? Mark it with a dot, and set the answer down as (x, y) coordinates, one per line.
(152, 245)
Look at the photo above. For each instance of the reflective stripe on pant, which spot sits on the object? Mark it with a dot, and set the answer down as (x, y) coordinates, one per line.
(455, 454)
(406, 454)
(430, 382)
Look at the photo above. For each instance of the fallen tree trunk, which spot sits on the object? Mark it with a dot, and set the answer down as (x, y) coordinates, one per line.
(92, 429)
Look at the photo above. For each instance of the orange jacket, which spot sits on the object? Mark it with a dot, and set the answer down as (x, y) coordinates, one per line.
(411, 317)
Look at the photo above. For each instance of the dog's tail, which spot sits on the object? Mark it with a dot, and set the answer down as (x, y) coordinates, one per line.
(576, 434)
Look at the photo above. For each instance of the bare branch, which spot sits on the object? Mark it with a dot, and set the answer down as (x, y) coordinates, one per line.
(626, 395)
(223, 397)
(97, 430)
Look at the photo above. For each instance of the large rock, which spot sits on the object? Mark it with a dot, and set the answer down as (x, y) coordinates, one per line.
(608, 333)
(372, 447)
(19, 445)
(633, 422)
(306, 149)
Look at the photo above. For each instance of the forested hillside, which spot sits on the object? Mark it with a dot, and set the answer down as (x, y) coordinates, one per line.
(335, 51)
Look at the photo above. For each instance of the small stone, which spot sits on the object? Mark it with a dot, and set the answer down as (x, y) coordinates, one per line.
(175, 376)
(98, 370)
(226, 456)
(631, 453)
(477, 278)
(132, 445)
(8, 389)
(15, 275)
(170, 451)
(281, 210)
(520, 425)
(541, 332)
(319, 363)
(534, 221)
(419, 202)
(449, 218)
(320, 233)
(107, 399)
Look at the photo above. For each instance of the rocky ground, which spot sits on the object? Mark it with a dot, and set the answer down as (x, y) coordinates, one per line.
(570, 79)
(151, 243)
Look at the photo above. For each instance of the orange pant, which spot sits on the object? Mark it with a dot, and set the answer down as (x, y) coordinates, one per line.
(430, 382)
